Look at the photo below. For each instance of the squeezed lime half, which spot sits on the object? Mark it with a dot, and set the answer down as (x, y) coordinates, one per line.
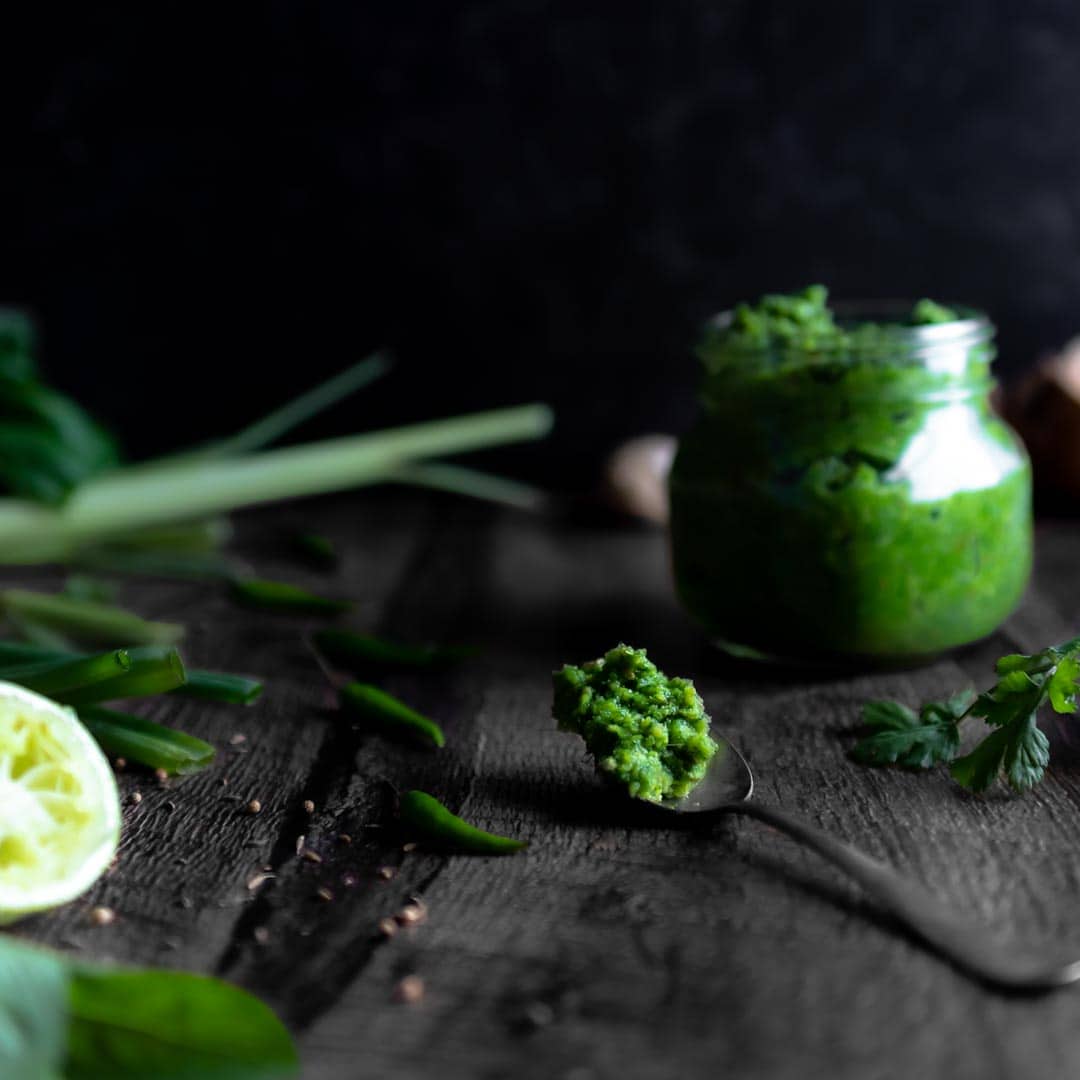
(59, 807)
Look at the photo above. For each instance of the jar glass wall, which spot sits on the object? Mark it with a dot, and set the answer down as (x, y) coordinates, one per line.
(863, 504)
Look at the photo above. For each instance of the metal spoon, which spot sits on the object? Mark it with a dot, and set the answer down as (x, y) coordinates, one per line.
(726, 789)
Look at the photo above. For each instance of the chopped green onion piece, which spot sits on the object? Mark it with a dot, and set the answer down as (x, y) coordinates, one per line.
(66, 679)
(281, 596)
(220, 686)
(137, 739)
(179, 565)
(361, 652)
(428, 819)
(207, 685)
(87, 587)
(390, 714)
(86, 620)
(193, 537)
(152, 669)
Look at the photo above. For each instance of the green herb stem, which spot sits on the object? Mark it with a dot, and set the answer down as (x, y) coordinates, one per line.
(461, 480)
(65, 679)
(365, 652)
(117, 502)
(220, 686)
(279, 423)
(205, 685)
(136, 739)
(86, 620)
(281, 596)
(386, 712)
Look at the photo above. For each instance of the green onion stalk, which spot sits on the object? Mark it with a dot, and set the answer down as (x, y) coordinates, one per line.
(194, 486)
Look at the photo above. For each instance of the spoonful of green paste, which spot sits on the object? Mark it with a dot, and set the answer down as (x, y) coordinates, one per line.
(650, 734)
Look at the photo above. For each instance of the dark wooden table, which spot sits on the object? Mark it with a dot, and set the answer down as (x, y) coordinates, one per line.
(605, 951)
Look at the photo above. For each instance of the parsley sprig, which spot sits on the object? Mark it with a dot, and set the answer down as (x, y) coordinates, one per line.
(1015, 749)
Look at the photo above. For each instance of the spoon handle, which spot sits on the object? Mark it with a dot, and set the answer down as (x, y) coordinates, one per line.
(974, 949)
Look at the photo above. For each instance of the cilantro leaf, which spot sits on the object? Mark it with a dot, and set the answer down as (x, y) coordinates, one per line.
(1019, 750)
(1015, 749)
(900, 737)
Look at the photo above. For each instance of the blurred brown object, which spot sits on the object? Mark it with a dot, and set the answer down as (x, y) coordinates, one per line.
(1044, 408)
(636, 474)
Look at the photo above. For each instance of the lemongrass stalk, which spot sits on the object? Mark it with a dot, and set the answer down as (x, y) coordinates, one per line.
(280, 422)
(461, 480)
(86, 620)
(136, 739)
(362, 652)
(115, 503)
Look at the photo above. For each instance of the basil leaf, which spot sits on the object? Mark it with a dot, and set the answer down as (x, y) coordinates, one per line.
(33, 1000)
(171, 1025)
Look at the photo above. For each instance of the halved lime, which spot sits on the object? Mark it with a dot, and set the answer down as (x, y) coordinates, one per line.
(59, 807)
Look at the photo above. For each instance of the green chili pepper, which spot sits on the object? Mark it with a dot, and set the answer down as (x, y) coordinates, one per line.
(429, 819)
(360, 652)
(389, 713)
(280, 596)
(317, 550)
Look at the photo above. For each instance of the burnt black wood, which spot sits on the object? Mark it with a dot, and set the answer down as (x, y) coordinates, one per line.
(607, 950)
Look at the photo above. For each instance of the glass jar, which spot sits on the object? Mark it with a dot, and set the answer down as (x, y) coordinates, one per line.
(860, 504)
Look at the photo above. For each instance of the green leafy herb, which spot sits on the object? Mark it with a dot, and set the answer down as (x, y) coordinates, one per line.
(363, 652)
(66, 1020)
(281, 596)
(388, 713)
(1015, 750)
(139, 740)
(900, 737)
(427, 818)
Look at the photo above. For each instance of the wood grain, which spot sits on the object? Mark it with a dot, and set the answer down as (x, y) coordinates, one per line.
(607, 950)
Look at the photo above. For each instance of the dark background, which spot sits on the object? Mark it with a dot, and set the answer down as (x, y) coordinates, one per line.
(208, 210)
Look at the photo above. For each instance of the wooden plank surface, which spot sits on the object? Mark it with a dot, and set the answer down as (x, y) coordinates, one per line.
(607, 950)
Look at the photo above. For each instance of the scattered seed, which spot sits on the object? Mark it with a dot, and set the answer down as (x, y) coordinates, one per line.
(310, 856)
(237, 739)
(300, 843)
(387, 873)
(224, 781)
(344, 838)
(412, 914)
(349, 879)
(409, 990)
(170, 805)
(120, 764)
(539, 1014)
(161, 776)
(323, 893)
(261, 935)
(187, 903)
(256, 880)
(309, 807)
(412, 845)
(102, 916)
(254, 806)
(387, 927)
(136, 797)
